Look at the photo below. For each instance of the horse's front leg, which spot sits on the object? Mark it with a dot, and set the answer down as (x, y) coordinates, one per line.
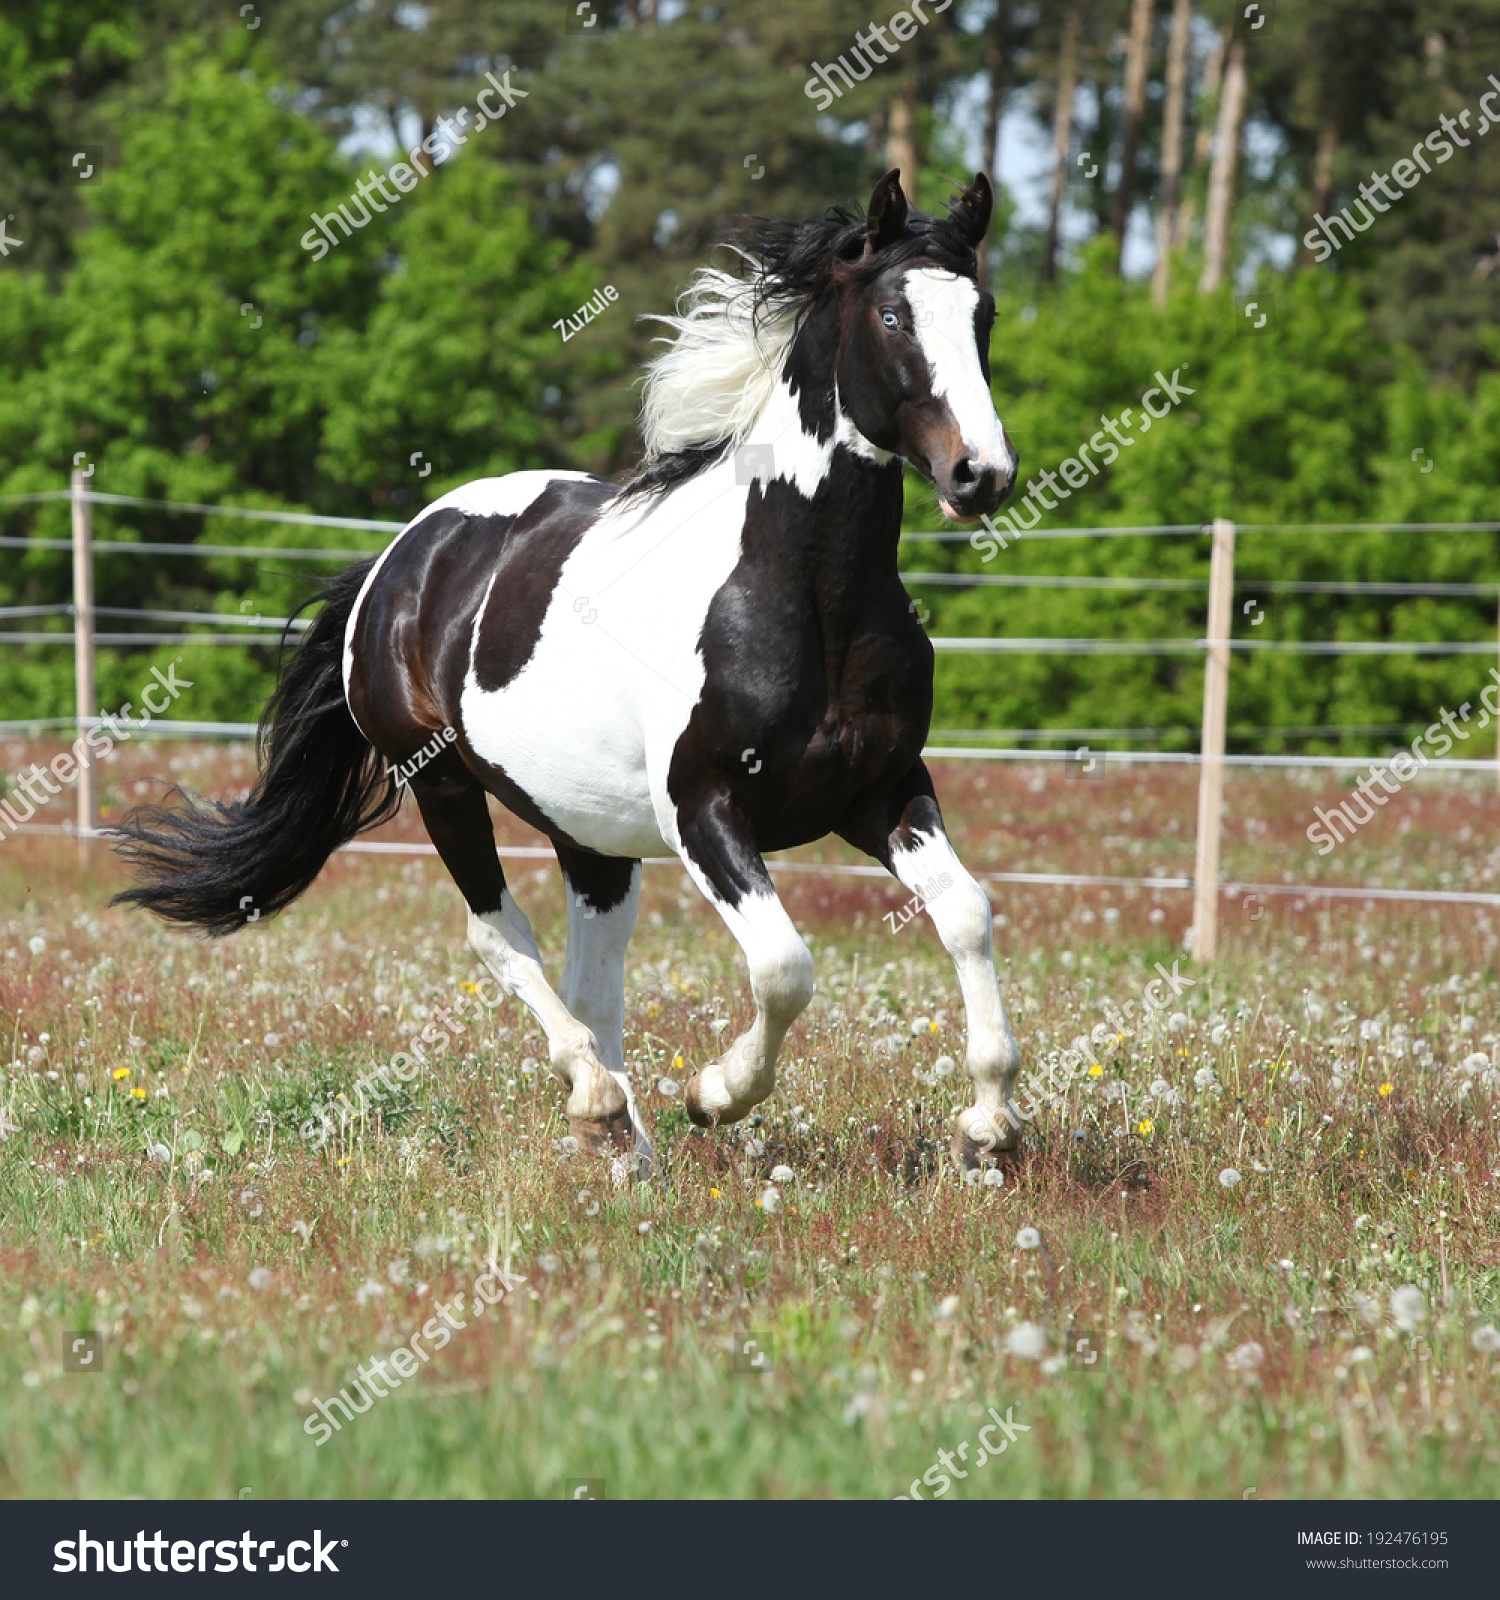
(718, 849)
(905, 834)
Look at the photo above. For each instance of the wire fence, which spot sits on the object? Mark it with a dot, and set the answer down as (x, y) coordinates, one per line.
(1216, 645)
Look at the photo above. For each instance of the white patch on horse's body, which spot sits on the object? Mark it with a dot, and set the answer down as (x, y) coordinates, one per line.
(943, 306)
(620, 647)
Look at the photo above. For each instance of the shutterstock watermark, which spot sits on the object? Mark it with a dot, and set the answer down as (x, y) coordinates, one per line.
(867, 53)
(94, 743)
(946, 1468)
(340, 1110)
(1321, 237)
(406, 1360)
(437, 146)
(1079, 468)
(1402, 767)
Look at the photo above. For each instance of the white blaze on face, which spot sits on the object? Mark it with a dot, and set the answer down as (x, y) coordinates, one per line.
(943, 306)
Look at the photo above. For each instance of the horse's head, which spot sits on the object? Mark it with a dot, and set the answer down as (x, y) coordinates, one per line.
(913, 361)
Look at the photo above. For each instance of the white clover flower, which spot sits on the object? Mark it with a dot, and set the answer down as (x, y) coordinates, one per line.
(1028, 1239)
(1486, 1340)
(1027, 1341)
(260, 1278)
(1246, 1358)
(782, 1174)
(1409, 1308)
(1229, 1177)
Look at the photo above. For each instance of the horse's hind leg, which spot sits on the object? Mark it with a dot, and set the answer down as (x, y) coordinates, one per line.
(604, 896)
(458, 822)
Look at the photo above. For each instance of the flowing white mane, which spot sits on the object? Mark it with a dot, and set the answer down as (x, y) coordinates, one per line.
(715, 377)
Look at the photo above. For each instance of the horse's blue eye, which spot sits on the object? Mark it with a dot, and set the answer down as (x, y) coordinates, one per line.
(889, 317)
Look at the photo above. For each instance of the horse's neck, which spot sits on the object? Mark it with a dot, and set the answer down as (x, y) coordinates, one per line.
(845, 514)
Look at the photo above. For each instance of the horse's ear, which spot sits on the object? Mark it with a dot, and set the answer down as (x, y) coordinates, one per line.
(973, 208)
(887, 218)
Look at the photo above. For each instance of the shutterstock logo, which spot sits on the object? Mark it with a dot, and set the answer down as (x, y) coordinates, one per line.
(246, 1553)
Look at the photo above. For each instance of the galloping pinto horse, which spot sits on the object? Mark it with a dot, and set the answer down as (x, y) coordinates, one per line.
(718, 659)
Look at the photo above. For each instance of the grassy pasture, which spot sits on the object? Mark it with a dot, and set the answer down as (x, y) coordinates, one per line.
(1162, 1333)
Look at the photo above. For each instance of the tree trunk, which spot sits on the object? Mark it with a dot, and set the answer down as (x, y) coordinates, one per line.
(1171, 147)
(1219, 212)
(999, 39)
(1213, 78)
(1062, 133)
(1328, 140)
(901, 143)
(1137, 65)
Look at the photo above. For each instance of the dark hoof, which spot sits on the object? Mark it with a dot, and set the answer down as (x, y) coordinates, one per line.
(694, 1107)
(970, 1155)
(607, 1136)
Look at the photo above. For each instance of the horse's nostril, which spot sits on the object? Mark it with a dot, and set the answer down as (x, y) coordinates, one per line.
(963, 472)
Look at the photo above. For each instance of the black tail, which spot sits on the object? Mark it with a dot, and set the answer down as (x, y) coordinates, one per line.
(217, 865)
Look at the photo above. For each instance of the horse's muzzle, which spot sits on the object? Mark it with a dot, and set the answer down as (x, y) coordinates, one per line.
(970, 489)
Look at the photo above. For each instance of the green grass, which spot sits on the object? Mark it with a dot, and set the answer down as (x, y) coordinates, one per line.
(893, 1292)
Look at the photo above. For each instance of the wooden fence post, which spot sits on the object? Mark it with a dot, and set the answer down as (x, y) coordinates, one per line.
(83, 642)
(1211, 771)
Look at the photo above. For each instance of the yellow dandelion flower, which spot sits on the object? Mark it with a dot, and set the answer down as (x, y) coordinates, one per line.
(714, 1194)
(1182, 1050)
(1387, 1088)
(678, 1062)
(140, 1094)
(1096, 1071)
(932, 1027)
(472, 988)
(1145, 1125)
(120, 1072)
(344, 1161)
